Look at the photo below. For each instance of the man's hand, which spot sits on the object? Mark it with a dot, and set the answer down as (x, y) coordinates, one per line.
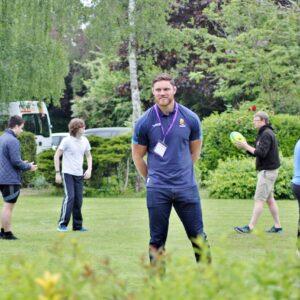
(246, 146)
(87, 174)
(241, 145)
(33, 167)
(58, 178)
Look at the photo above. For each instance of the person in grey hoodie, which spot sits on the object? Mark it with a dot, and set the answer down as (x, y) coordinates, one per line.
(11, 166)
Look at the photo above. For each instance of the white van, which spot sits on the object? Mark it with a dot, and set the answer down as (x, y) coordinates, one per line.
(36, 117)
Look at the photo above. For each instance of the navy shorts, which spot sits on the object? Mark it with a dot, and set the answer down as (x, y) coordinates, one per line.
(187, 206)
(10, 192)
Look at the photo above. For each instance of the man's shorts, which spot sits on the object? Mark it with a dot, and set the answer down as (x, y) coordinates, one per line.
(10, 192)
(265, 184)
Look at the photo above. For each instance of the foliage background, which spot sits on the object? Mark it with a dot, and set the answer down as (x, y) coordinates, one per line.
(217, 128)
(113, 170)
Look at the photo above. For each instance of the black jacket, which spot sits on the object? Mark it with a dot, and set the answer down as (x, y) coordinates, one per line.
(266, 149)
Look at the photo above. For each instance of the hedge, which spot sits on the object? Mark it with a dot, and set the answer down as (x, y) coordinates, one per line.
(28, 152)
(236, 179)
(217, 128)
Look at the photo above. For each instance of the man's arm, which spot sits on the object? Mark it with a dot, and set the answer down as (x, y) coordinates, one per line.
(88, 172)
(138, 153)
(57, 156)
(195, 148)
(15, 156)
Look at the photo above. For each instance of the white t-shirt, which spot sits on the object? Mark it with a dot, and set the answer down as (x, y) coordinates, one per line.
(73, 153)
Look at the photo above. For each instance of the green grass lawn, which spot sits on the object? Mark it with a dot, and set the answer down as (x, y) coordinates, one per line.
(118, 230)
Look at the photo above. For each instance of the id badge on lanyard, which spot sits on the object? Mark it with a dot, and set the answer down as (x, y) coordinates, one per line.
(161, 147)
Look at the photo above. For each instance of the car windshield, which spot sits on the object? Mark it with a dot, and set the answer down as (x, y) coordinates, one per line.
(38, 124)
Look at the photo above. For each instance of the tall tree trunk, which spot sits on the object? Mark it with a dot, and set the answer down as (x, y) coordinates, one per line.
(135, 93)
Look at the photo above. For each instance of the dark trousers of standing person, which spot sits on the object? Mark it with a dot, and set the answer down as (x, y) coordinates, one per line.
(73, 187)
(187, 206)
(296, 191)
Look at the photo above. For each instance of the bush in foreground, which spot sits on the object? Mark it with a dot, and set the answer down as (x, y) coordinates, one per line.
(55, 275)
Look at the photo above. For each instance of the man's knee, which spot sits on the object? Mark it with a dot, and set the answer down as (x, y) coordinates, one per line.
(259, 202)
(8, 206)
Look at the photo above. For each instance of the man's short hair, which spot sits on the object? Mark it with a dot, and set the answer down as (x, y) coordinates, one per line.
(15, 121)
(75, 125)
(263, 116)
(163, 77)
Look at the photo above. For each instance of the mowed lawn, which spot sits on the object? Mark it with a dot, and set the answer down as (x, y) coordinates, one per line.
(118, 230)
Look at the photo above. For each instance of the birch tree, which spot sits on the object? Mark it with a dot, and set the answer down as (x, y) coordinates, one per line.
(132, 60)
(133, 28)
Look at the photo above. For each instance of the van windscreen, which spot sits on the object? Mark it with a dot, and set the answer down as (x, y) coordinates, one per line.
(38, 124)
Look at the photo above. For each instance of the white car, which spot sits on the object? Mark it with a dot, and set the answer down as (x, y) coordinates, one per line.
(107, 132)
(57, 138)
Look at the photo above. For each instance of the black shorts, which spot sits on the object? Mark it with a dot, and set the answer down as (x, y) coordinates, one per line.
(10, 192)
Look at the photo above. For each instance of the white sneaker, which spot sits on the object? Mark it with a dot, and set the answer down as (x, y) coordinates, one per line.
(62, 228)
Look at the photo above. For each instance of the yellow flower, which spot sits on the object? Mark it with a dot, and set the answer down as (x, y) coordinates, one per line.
(48, 281)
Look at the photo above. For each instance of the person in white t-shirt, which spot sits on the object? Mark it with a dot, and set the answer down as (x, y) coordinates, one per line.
(73, 149)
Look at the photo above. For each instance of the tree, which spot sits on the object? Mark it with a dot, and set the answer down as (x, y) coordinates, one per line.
(132, 60)
(133, 30)
(107, 104)
(34, 60)
(254, 53)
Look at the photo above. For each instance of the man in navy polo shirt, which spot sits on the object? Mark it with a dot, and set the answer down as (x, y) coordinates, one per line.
(171, 136)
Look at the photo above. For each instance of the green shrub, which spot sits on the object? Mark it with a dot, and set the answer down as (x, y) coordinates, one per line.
(236, 179)
(46, 165)
(217, 128)
(217, 145)
(283, 183)
(287, 130)
(54, 275)
(28, 152)
(266, 278)
(113, 169)
(112, 164)
(39, 182)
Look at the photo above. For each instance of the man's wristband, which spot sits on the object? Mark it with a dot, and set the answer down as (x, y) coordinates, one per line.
(57, 172)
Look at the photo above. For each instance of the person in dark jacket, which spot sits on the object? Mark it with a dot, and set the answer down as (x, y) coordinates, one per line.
(11, 166)
(267, 166)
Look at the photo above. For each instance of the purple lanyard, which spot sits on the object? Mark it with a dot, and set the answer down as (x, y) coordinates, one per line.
(172, 123)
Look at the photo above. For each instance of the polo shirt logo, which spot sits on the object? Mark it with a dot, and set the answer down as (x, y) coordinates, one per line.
(181, 123)
(156, 124)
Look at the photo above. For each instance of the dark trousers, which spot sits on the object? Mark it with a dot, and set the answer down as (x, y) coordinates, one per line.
(73, 187)
(187, 206)
(296, 191)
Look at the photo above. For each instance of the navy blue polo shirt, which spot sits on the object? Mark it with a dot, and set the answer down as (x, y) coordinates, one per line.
(175, 169)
